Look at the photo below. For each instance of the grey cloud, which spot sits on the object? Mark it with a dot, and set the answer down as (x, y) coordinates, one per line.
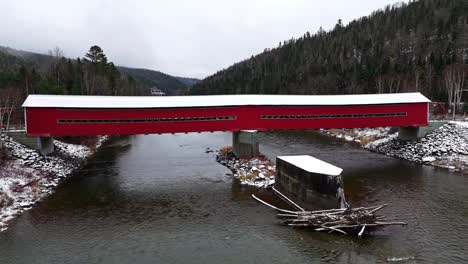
(185, 38)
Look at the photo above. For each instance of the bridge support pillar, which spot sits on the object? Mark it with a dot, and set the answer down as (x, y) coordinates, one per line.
(45, 145)
(245, 144)
(408, 133)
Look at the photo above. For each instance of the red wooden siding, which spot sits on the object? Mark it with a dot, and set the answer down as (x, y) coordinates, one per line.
(42, 121)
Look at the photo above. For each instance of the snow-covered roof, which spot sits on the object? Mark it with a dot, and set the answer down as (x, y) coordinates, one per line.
(311, 164)
(78, 101)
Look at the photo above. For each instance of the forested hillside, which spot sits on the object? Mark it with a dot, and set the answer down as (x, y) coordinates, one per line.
(420, 46)
(93, 74)
(169, 84)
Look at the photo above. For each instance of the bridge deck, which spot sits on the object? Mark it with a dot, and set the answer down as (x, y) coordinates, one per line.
(48, 115)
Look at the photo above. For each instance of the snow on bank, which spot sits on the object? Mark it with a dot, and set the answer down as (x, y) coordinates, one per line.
(28, 177)
(445, 147)
(359, 135)
(258, 172)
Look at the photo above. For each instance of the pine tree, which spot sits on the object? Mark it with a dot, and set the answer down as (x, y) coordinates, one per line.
(95, 55)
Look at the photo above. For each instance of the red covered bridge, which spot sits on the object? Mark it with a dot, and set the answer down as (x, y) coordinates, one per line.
(56, 115)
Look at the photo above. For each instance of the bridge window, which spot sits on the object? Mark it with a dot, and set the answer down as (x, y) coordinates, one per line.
(398, 114)
(147, 120)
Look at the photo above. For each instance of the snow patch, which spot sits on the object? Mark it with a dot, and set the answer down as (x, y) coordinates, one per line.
(258, 172)
(28, 176)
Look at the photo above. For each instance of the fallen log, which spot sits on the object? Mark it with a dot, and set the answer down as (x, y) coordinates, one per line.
(345, 220)
(284, 197)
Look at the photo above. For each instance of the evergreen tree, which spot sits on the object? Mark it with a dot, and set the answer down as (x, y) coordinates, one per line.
(95, 55)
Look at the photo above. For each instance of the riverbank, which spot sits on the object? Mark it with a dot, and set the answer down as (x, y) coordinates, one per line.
(445, 147)
(27, 177)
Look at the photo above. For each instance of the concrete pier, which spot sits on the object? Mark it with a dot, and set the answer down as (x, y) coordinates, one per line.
(415, 133)
(45, 145)
(408, 133)
(310, 181)
(245, 144)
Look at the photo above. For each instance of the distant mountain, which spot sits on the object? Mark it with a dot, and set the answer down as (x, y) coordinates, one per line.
(21, 57)
(11, 60)
(169, 84)
(188, 81)
(405, 47)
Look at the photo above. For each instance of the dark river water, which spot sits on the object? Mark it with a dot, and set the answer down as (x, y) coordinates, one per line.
(162, 199)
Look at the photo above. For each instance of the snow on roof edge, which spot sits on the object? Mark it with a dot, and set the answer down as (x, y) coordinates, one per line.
(312, 165)
(79, 101)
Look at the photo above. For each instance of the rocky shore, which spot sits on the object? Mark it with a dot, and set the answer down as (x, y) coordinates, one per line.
(258, 172)
(445, 147)
(27, 177)
(361, 136)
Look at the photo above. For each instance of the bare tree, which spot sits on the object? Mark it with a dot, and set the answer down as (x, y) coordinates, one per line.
(6, 109)
(418, 73)
(380, 83)
(394, 84)
(57, 54)
(454, 78)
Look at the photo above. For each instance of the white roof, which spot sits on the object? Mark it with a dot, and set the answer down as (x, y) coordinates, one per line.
(78, 101)
(311, 164)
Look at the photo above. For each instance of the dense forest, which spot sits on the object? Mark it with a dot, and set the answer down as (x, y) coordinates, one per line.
(419, 46)
(93, 74)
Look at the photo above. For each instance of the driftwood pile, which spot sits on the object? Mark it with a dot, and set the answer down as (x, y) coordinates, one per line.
(344, 220)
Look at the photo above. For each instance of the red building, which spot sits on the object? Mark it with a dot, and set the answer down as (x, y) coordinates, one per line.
(56, 115)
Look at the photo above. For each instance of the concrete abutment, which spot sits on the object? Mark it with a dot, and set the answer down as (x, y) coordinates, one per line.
(415, 133)
(245, 144)
(45, 145)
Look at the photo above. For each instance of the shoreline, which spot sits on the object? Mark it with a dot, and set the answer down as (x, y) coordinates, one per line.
(446, 147)
(28, 177)
(259, 171)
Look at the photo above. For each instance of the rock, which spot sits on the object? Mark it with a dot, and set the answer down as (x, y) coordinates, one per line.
(428, 159)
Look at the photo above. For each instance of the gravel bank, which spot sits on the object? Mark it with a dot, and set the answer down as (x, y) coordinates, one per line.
(258, 172)
(27, 177)
(445, 147)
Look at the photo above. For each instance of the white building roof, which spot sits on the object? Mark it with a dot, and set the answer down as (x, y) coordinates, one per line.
(311, 164)
(78, 101)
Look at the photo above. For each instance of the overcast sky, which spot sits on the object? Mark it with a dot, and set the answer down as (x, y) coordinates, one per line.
(192, 38)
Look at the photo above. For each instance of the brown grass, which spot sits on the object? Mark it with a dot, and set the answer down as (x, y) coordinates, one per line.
(365, 140)
(247, 176)
(226, 150)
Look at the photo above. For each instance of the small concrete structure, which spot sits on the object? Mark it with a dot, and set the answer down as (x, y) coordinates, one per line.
(245, 144)
(310, 181)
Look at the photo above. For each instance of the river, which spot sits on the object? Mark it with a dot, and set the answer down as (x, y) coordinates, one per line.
(162, 199)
